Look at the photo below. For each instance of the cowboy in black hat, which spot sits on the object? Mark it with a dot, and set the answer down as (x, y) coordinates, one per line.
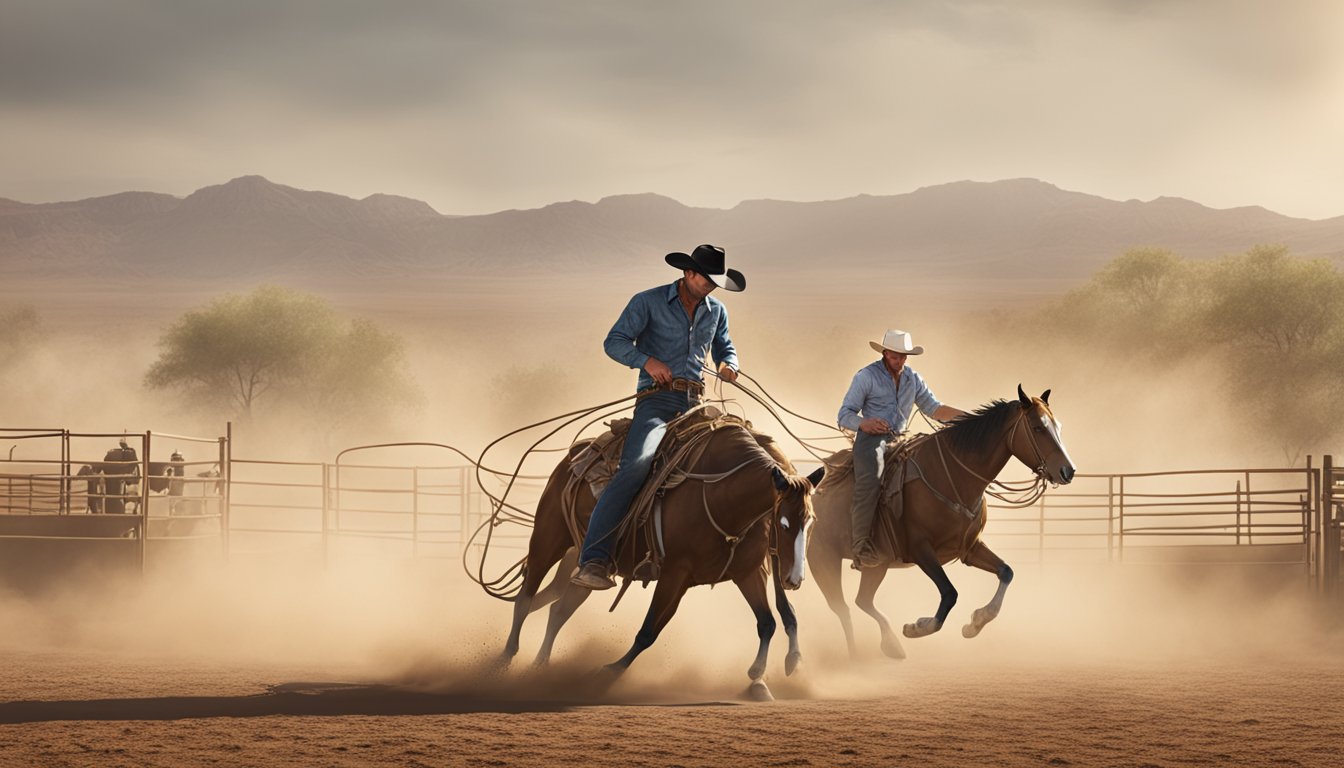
(666, 333)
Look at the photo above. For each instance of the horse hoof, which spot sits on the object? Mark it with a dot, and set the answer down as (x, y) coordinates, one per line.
(924, 627)
(791, 663)
(979, 619)
(759, 691)
(891, 648)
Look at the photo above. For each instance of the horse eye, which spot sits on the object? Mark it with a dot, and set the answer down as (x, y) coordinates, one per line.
(784, 522)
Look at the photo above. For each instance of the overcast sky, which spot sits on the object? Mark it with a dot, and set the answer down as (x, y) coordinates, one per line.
(487, 105)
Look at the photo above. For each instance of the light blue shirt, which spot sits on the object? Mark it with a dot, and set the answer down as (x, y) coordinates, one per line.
(654, 324)
(873, 393)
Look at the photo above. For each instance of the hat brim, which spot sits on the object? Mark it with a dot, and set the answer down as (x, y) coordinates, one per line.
(915, 350)
(732, 281)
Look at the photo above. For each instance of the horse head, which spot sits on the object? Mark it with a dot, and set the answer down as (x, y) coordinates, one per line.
(1035, 440)
(792, 525)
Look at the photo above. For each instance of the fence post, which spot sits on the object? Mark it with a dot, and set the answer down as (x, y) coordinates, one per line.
(415, 512)
(1120, 521)
(1040, 533)
(226, 476)
(327, 509)
(1110, 518)
(144, 501)
(1329, 543)
(64, 507)
(1237, 496)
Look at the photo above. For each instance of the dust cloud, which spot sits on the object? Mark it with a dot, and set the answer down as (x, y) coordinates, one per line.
(499, 359)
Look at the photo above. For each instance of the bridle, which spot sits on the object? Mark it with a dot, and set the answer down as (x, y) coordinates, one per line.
(1011, 494)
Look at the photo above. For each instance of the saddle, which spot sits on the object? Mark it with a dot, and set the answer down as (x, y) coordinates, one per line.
(595, 461)
(898, 470)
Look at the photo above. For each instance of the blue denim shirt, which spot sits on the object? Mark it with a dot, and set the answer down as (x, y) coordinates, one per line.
(655, 325)
(872, 393)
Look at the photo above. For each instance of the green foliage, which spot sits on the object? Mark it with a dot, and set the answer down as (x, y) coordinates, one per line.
(1275, 322)
(276, 344)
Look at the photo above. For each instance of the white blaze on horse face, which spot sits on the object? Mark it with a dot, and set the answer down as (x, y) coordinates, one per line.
(796, 574)
(784, 523)
(1053, 428)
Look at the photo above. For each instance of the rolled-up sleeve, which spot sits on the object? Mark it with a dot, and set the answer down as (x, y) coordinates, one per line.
(620, 341)
(849, 417)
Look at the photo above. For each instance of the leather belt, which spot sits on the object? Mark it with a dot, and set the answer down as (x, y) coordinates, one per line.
(690, 386)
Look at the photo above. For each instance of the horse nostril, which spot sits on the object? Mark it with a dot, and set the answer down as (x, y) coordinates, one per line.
(1067, 473)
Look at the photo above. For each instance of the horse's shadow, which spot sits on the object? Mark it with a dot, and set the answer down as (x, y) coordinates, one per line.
(306, 699)
(303, 699)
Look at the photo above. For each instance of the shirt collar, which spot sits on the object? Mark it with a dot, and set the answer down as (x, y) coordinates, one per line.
(708, 301)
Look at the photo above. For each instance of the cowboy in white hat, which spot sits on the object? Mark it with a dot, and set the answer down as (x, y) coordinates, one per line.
(665, 333)
(877, 408)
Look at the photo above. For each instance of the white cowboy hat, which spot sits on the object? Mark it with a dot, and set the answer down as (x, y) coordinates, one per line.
(897, 341)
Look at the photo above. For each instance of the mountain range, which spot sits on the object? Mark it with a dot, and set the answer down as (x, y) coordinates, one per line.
(251, 229)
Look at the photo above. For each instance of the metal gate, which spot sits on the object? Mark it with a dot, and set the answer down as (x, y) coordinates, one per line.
(1332, 522)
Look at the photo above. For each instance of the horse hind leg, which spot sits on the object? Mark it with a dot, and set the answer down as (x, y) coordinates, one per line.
(826, 570)
(981, 557)
(571, 597)
(552, 591)
(541, 556)
(927, 560)
(868, 584)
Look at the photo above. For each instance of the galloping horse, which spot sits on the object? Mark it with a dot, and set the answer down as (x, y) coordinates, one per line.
(741, 500)
(944, 511)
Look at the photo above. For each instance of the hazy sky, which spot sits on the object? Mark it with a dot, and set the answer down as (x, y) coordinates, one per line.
(492, 104)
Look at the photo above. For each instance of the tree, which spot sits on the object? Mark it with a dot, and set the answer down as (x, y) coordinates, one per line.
(1270, 302)
(282, 345)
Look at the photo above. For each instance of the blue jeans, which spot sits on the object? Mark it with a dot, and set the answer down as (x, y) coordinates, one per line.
(648, 425)
(869, 460)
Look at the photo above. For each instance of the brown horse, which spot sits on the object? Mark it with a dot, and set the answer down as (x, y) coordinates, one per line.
(742, 501)
(944, 511)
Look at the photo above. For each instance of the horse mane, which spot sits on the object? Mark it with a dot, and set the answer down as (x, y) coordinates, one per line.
(977, 431)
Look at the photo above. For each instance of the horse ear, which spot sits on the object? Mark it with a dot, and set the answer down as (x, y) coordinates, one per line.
(817, 475)
(781, 482)
(1045, 397)
(1022, 397)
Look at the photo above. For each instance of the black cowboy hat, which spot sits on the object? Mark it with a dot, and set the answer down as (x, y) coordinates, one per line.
(708, 261)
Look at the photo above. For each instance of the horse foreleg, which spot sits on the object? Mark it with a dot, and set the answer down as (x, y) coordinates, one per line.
(826, 569)
(981, 557)
(790, 620)
(927, 560)
(868, 584)
(752, 586)
(667, 596)
(571, 597)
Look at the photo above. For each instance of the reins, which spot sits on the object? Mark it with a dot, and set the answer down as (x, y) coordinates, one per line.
(1028, 492)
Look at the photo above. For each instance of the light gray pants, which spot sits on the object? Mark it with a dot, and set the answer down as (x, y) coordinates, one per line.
(869, 459)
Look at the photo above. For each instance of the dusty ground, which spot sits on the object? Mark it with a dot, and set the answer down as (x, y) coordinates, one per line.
(86, 709)
(329, 671)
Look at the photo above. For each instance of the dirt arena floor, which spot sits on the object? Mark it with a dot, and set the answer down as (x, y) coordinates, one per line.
(330, 671)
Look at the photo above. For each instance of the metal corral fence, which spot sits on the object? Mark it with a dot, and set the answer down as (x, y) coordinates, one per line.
(1205, 517)
(258, 508)
(1332, 524)
(321, 510)
(67, 498)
